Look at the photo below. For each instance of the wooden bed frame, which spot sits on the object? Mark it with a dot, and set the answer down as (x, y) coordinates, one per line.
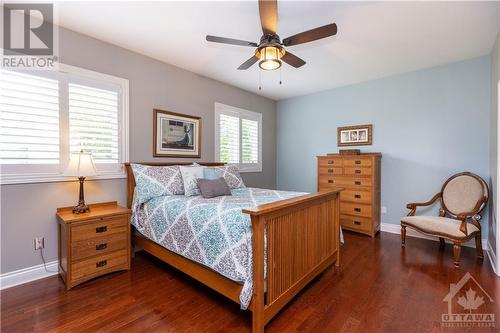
(302, 241)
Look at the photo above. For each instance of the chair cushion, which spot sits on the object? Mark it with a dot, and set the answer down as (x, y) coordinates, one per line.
(442, 225)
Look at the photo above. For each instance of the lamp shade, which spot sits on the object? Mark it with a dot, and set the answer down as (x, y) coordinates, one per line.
(81, 165)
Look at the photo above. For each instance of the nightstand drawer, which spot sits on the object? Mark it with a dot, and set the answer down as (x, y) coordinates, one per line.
(96, 246)
(355, 209)
(356, 196)
(99, 264)
(357, 223)
(99, 228)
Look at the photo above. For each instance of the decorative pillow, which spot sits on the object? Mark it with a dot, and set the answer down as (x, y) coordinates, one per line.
(211, 173)
(230, 174)
(189, 176)
(155, 181)
(211, 188)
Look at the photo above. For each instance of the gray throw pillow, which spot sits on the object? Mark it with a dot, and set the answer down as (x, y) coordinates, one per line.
(211, 188)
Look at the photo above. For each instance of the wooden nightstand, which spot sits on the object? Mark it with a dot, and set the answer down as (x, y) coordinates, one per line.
(92, 244)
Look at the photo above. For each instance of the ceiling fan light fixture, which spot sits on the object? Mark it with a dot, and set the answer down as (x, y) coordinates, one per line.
(270, 57)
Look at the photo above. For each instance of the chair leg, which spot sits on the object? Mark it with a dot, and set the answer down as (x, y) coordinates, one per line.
(441, 243)
(403, 235)
(456, 253)
(479, 247)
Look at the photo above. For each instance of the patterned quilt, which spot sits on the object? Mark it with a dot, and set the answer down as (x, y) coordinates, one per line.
(213, 232)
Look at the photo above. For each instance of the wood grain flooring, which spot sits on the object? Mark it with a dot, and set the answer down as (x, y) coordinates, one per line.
(380, 287)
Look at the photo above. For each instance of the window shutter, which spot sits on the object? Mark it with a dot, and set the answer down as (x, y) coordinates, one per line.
(229, 139)
(93, 122)
(249, 141)
(29, 119)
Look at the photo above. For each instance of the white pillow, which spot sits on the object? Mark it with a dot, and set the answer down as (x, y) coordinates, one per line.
(190, 174)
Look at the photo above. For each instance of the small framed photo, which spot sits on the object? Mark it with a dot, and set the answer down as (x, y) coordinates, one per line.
(176, 135)
(359, 135)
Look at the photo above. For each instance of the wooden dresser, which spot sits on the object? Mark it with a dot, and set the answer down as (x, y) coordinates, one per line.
(359, 175)
(92, 244)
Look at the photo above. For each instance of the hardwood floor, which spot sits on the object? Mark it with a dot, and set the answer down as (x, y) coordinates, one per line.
(380, 287)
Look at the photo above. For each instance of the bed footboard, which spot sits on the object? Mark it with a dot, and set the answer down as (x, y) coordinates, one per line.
(302, 241)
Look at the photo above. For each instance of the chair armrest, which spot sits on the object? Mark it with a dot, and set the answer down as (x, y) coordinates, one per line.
(463, 216)
(413, 206)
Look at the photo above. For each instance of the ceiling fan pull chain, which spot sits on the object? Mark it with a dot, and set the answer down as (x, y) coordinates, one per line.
(260, 80)
(280, 76)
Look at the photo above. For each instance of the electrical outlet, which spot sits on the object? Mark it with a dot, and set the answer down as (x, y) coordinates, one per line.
(384, 210)
(39, 243)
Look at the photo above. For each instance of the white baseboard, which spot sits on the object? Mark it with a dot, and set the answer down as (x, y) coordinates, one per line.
(493, 259)
(396, 229)
(29, 274)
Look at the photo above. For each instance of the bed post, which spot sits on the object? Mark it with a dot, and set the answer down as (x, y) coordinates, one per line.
(258, 223)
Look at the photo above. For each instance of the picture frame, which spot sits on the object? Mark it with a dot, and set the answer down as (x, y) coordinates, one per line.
(176, 134)
(359, 135)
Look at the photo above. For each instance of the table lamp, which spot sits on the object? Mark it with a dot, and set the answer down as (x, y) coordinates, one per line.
(81, 165)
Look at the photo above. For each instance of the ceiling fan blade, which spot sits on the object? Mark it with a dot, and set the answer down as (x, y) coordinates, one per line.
(293, 60)
(268, 11)
(247, 64)
(231, 41)
(310, 35)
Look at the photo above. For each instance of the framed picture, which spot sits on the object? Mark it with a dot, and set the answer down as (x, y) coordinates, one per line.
(360, 135)
(176, 135)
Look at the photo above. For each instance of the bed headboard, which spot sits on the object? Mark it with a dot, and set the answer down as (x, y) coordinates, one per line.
(131, 179)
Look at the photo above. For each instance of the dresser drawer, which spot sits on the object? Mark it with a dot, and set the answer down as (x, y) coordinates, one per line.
(330, 161)
(351, 182)
(357, 171)
(323, 170)
(357, 223)
(99, 228)
(355, 209)
(356, 196)
(358, 162)
(99, 264)
(96, 246)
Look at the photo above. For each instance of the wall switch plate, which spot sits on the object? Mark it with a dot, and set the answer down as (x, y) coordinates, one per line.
(39, 243)
(384, 210)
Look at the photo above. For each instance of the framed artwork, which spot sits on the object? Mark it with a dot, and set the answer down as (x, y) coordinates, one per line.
(176, 135)
(360, 135)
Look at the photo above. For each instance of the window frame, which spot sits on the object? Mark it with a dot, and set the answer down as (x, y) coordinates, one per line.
(241, 114)
(65, 74)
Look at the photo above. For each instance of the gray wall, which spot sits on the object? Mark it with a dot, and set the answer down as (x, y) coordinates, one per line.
(428, 125)
(28, 210)
(495, 79)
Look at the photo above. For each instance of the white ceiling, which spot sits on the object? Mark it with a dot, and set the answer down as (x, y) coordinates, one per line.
(375, 39)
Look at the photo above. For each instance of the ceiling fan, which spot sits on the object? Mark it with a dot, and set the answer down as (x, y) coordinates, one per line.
(271, 50)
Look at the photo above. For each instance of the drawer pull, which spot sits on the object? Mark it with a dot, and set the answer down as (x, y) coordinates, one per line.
(357, 210)
(330, 181)
(101, 229)
(357, 196)
(357, 171)
(357, 223)
(101, 263)
(330, 162)
(330, 170)
(357, 183)
(101, 246)
(357, 162)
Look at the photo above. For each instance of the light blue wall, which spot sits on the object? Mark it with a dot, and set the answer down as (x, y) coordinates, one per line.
(428, 124)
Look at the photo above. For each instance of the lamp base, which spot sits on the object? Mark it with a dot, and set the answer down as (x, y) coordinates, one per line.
(81, 208)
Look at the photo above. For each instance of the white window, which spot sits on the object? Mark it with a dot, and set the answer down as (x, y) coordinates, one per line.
(238, 137)
(45, 116)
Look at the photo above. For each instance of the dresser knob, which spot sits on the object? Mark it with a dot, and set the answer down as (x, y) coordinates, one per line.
(357, 183)
(101, 263)
(357, 171)
(330, 162)
(357, 223)
(101, 246)
(330, 181)
(101, 229)
(357, 162)
(330, 170)
(357, 210)
(357, 196)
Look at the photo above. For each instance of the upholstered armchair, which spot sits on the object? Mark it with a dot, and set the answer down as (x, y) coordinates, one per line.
(463, 196)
